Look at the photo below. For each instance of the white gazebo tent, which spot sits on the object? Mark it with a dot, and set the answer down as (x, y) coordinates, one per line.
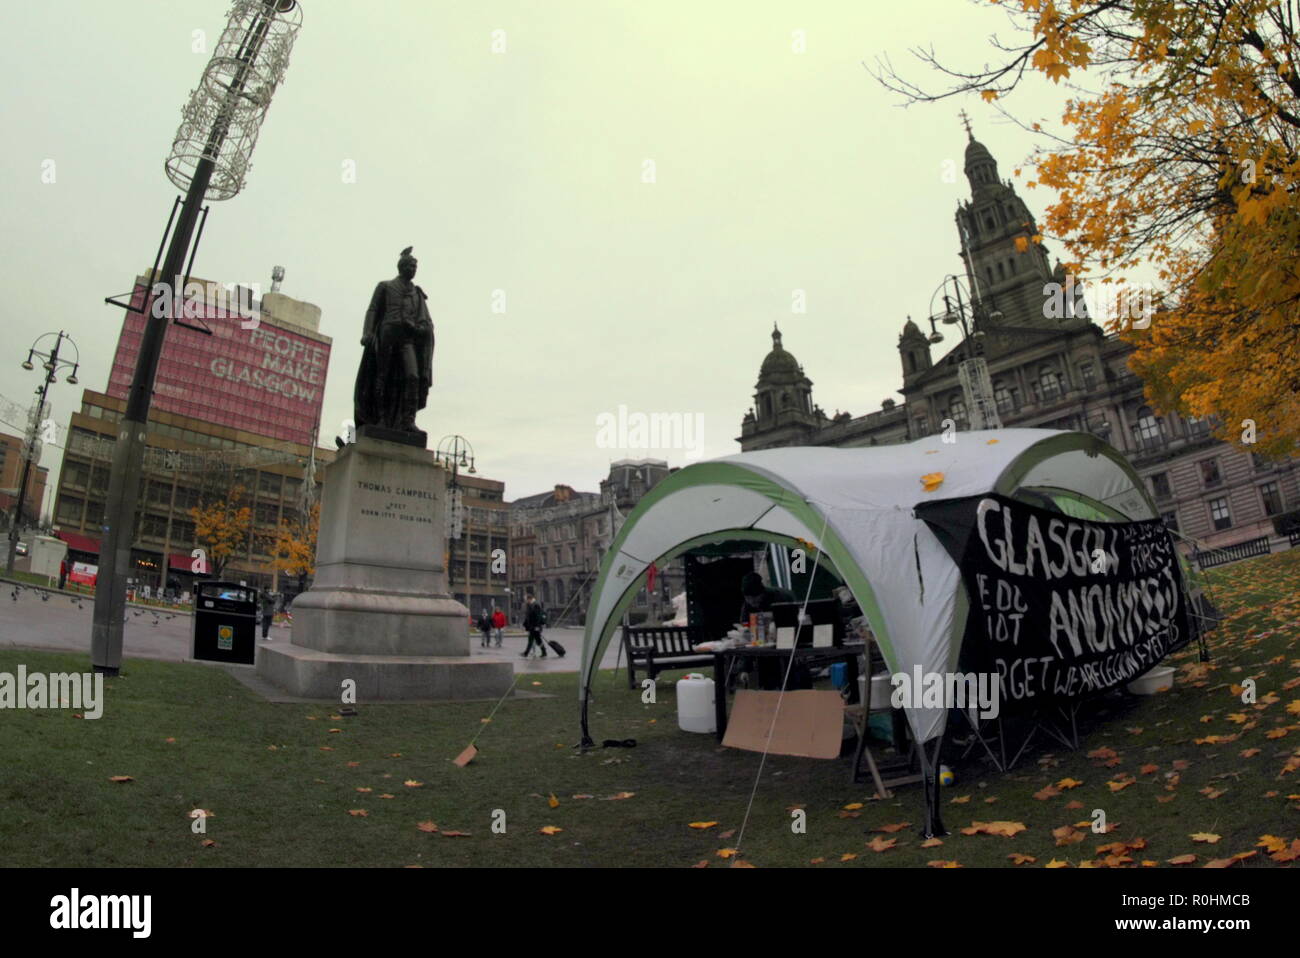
(855, 506)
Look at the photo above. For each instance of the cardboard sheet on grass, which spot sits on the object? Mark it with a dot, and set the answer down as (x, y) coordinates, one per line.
(809, 724)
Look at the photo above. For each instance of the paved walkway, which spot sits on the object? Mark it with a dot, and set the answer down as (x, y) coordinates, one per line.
(61, 622)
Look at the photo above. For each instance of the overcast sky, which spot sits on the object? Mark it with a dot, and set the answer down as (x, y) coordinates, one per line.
(521, 171)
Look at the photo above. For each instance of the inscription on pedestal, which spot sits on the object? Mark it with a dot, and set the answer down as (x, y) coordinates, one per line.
(401, 504)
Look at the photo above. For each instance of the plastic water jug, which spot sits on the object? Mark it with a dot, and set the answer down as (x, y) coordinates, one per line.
(695, 707)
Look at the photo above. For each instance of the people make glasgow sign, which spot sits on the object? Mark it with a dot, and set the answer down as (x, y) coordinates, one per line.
(1060, 607)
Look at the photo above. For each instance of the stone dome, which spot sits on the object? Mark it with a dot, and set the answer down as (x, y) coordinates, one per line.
(779, 363)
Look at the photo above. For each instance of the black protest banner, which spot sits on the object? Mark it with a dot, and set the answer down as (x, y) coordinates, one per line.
(1060, 607)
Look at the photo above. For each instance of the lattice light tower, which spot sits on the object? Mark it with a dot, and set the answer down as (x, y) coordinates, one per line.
(224, 114)
(209, 160)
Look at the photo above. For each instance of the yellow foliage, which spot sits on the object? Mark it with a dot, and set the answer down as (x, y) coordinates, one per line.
(294, 549)
(1190, 172)
(221, 526)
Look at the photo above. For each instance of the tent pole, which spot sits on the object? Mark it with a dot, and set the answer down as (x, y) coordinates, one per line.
(934, 827)
(587, 741)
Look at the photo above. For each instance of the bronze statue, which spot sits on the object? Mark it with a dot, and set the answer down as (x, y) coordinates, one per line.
(397, 365)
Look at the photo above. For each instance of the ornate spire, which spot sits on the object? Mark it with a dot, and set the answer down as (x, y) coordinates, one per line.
(966, 121)
(776, 336)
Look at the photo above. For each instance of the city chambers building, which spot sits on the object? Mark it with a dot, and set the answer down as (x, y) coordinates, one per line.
(1050, 367)
(236, 405)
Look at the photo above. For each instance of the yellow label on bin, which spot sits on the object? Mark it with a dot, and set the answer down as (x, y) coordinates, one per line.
(225, 637)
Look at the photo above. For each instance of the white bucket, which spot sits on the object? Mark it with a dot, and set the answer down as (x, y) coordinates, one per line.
(881, 690)
(1158, 679)
(695, 708)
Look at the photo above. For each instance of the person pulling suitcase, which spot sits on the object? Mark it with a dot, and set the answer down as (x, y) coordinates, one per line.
(534, 620)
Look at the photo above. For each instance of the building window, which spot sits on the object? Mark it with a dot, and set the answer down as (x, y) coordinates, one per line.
(70, 510)
(1210, 472)
(1002, 272)
(1146, 430)
(1170, 520)
(74, 473)
(1002, 397)
(1261, 464)
(160, 494)
(1160, 485)
(154, 527)
(1219, 513)
(573, 556)
(1049, 382)
(1272, 496)
(920, 426)
(1088, 375)
(957, 410)
(1198, 427)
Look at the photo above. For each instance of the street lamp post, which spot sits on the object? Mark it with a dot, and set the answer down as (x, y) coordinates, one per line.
(209, 159)
(454, 452)
(52, 364)
(973, 370)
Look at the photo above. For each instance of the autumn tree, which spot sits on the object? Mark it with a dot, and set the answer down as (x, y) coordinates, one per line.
(294, 548)
(1181, 163)
(221, 526)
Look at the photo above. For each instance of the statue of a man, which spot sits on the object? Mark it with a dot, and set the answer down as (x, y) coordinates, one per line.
(397, 365)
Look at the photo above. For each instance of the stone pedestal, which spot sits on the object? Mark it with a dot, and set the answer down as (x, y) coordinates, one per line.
(379, 612)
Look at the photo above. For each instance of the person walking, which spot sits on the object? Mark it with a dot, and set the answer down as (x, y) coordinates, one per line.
(498, 625)
(63, 572)
(267, 603)
(485, 626)
(534, 619)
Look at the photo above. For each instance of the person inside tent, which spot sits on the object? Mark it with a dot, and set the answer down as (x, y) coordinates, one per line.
(758, 598)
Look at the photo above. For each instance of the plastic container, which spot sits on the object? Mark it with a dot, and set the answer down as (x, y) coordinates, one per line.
(1158, 679)
(839, 678)
(881, 690)
(695, 706)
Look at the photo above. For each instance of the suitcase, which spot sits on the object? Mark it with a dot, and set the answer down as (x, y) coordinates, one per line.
(556, 647)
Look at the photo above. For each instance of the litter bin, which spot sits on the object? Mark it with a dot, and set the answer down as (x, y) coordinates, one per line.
(225, 622)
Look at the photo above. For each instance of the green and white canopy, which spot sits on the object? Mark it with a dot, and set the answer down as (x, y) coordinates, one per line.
(856, 507)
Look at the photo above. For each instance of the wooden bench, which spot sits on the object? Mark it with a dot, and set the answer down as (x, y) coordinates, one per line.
(661, 648)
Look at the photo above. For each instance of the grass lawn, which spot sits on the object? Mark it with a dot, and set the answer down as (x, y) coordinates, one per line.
(281, 781)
